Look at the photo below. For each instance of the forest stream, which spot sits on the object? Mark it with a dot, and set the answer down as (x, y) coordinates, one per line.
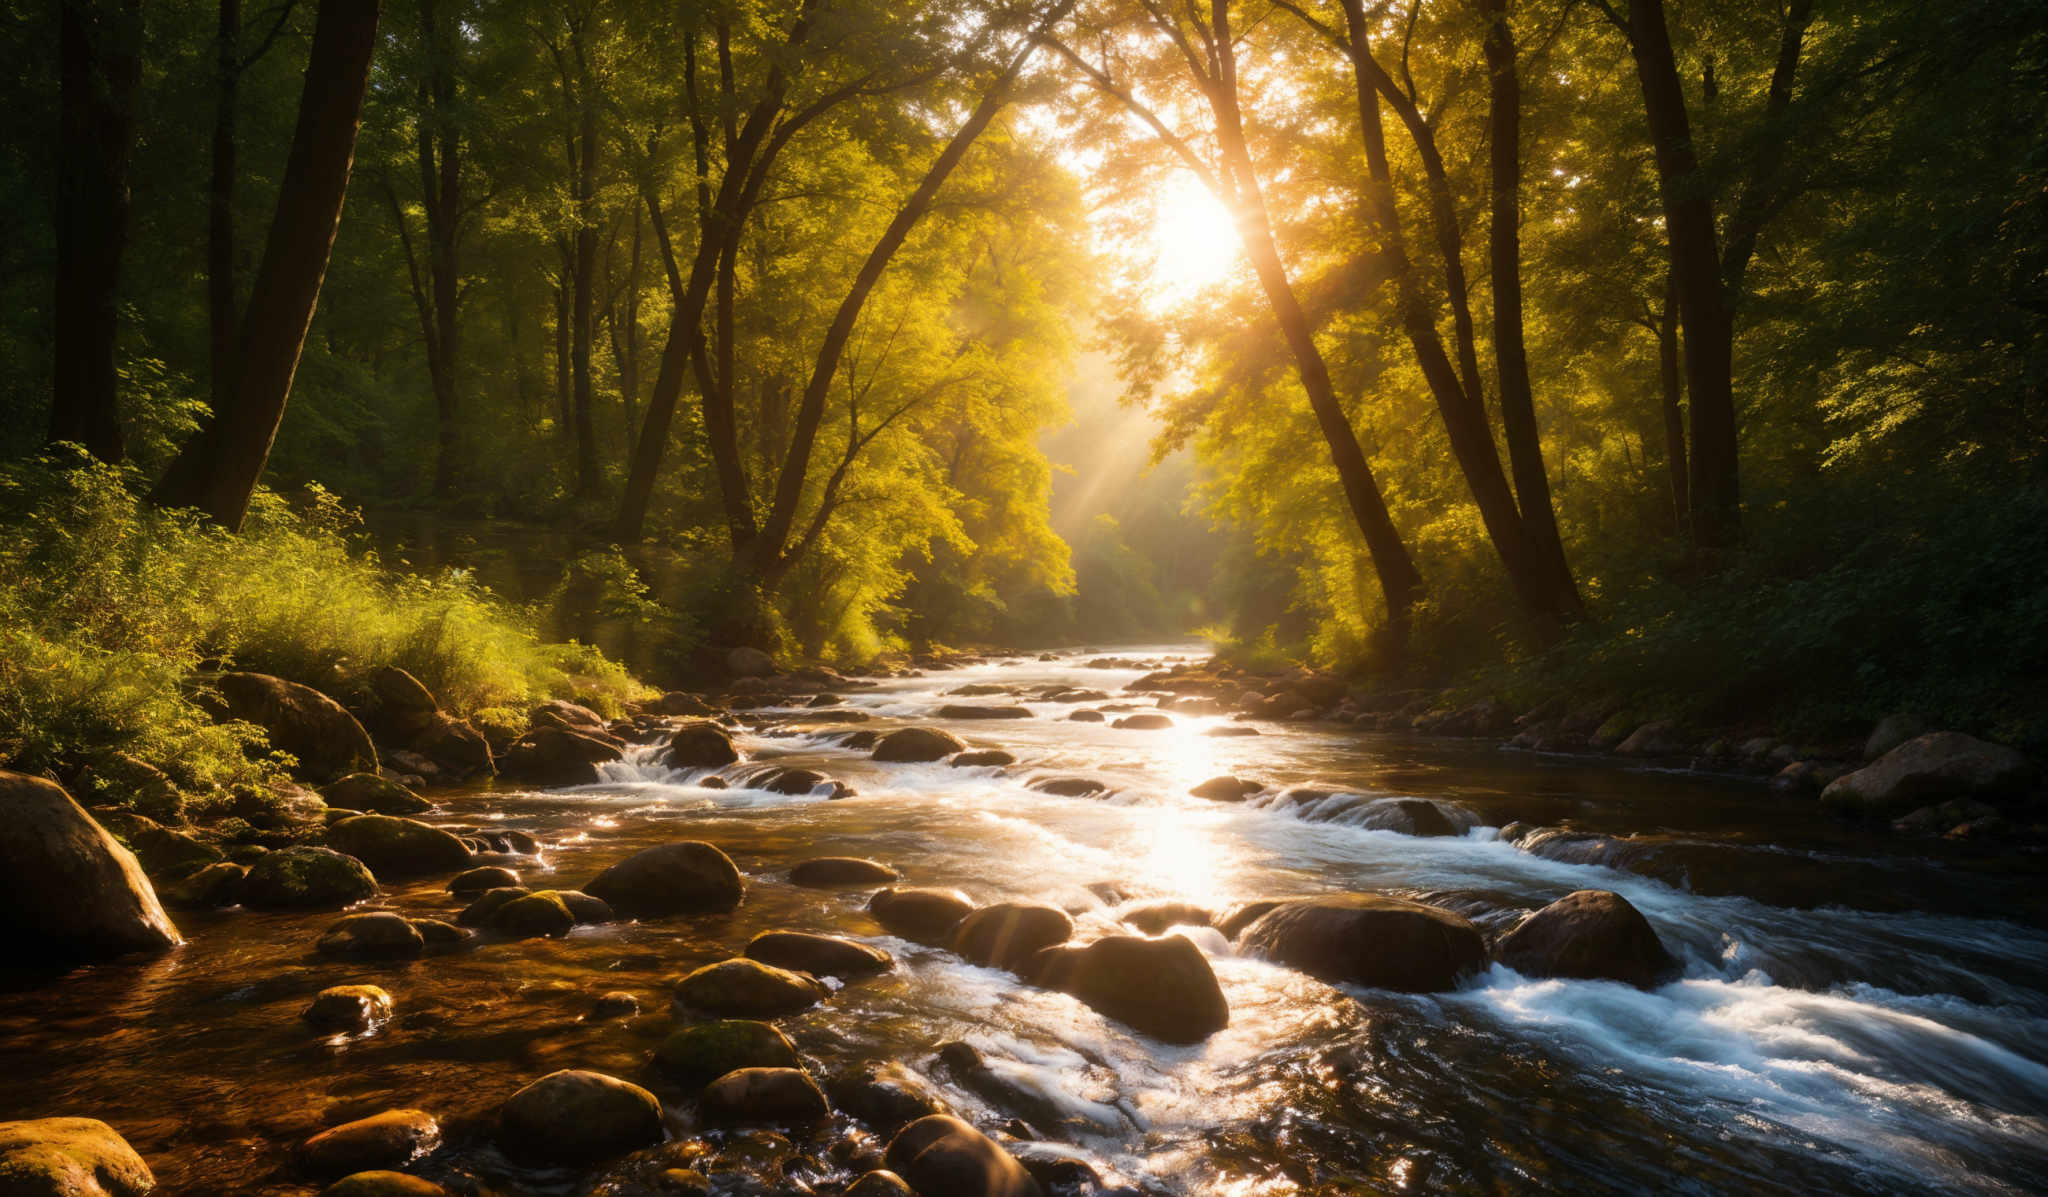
(1848, 1018)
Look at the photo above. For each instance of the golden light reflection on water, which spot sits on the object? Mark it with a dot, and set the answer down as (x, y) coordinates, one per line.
(1182, 854)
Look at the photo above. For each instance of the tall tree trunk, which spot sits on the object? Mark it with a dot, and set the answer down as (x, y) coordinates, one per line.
(583, 325)
(1696, 270)
(440, 164)
(220, 207)
(1511, 360)
(100, 63)
(625, 326)
(1764, 191)
(564, 417)
(1671, 385)
(218, 469)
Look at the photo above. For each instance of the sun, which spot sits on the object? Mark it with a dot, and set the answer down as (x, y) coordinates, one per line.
(1194, 244)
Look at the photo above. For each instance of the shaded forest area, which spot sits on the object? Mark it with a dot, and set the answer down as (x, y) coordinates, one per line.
(1683, 354)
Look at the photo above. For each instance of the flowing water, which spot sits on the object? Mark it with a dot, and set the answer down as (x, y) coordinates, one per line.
(1851, 1018)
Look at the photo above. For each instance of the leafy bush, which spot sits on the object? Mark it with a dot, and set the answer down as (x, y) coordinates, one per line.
(110, 609)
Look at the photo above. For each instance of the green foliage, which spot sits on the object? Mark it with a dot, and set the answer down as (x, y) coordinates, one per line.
(110, 608)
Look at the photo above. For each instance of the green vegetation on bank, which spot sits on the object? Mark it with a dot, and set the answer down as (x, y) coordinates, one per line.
(113, 612)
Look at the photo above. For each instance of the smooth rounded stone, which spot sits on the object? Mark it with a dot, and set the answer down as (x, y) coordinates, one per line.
(1009, 934)
(348, 1008)
(306, 878)
(884, 1094)
(683, 1182)
(700, 744)
(398, 848)
(387, 1140)
(941, 1154)
(1243, 915)
(1086, 717)
(824, 871)
(1159, 987)
(586, 908)
(488, 903)
(966, 710)
(557, 756)
(687, 877)
(69, 1157)
(438, 933)
(576, 1117)
(478, 880)
(218, 884)
(681, 702)
(456, 746)
(1892, 731)
(380, 935)
(1156, 916)
(1657, 738)
(557, 712)
(383, 1183)
(982, 758)
(372, 794)
(714, 783)
(163, 852)
(915, 745)
(748, 988)
(702, 1052)
(880, 1183)
(923, 915)
(317, 731)
(1410, 816)
(1367, 939)
(534, 916)
(68, 890)
(616, 1004)
(1593, 934)
(778, 1095)
(1226, 789)
(1231, 729)
(819, 955)
(797, 783)
(1931, 768)
(1067, 787)
(1143, 721)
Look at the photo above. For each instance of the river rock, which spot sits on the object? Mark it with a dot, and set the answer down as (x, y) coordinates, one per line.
(438, 933)
(880, 1183)
(577, 1117)
(686, 877)
(557, 756)
(1144, 721)
(982, 758)
(404, 704)
(819, 955)
(1226, 789)
(749, 662)
(488, 877)
(348, 1008)
(383, 1183)
(941, 1155)
(926, 916)
(1409, 816)
(1086, 716)
(306, 878)
(963, 710)
(387, 1140)
(68, 891)
(1931, 768)
(1009, 934)
(824, 871)
(779, 1095)
(1367, 939)
(1159, 987)
(163, 852)
(1593, 934)
(1155, 917)
(702, 1052)
(910, 745)
(748, 988)
(533, 916)
(574, 716)
(324, 738)
(374, 795)
(1657, 738)
(680, 702)
(217, 885)
(69, 1157)
(397, 848)
(884, 1094)
(488, 903)
(1067, 787)
(700, 744)
(1890, 732)
(456, 746)
(379, 935)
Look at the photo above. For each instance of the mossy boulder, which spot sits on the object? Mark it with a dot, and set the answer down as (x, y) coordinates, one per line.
(777, 1095)
(488, 877)
(383, 1183)
(700, 744)
(922, 915)
(69, 1157)
(488, 903)
(912, 745)
(687, 877)
(164, 852)
(557, 756)
(534, 915)
(578, 1117)
(748, 988)
(68, 890)
(399, 848)
(376, 935)
(372, 794)
(320, 734)
(348, 1008)
(217, 885)
(702, 1052)
(306, 878)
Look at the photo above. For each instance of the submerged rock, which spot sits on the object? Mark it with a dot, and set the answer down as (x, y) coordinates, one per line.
(926, 916)
(749, 988)
(884, 1094)
(823, 871)
(306, 878)
(942, 1155)
(386, 1140)
(348, 1008)
(1366, 939)
(1932, 768)
(777, 1095)
(976, 711)
(382, 1183)
(702, 1052)
(1086, 716)
(686, 877)
(1009, 934)
(1067, 787)
(1160, 987)
(700, 744)
(819, 955)
(69, 1157)
(68, 891)
(1226, 789)
(1144, 721)
(1593, 934)
(577, 1117)
(398, 848)
(379, 935)
(1155, 917)
(982, 758)
(324, 738)
(912, 745)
